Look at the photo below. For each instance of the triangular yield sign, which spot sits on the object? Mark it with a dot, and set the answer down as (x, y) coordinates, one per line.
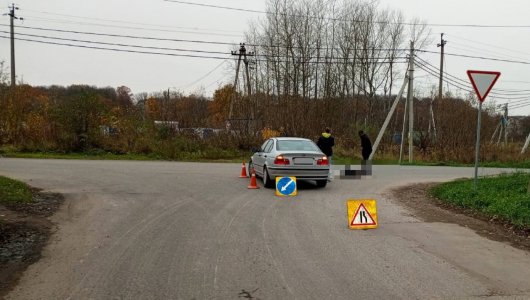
(483, 82)
(362, 217)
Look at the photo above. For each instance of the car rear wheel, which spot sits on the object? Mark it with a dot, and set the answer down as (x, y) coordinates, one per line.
(322, 183)
(267, 181)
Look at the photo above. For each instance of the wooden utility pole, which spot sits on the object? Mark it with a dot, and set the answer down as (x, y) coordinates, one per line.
(242, 48)
(410, 100)
(242, 55)
(12, 16)
(388, 117)
(441, 45)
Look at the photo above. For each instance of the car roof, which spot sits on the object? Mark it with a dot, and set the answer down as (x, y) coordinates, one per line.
(291, 139)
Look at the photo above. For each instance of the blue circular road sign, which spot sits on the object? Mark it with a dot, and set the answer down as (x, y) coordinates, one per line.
(286, 186)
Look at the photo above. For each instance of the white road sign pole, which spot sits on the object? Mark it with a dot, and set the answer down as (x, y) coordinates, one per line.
(477, 148)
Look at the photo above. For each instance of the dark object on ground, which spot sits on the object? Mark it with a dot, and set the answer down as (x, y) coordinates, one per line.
(348, 173)
(24, 231)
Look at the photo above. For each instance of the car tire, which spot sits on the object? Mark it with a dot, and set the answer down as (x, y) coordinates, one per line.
(267, 181)
(322, 183)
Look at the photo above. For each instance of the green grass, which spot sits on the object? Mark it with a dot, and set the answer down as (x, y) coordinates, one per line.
(87, 155)
(184, 156)
(341, 160)
(503, 196)
(232, 156)
(492, 164)
(12, 191)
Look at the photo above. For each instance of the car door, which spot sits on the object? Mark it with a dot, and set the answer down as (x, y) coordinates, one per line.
(268, 153)
(259, 157)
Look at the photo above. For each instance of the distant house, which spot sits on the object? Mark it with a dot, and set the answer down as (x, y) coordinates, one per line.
(174, 125)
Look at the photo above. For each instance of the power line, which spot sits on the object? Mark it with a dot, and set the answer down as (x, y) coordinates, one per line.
(463, 87)
(206, 75)
(217, 6)
(450, 82)
(324, 59)
(338, 61)
(118, 44)
(132, 27)
(515, 106)
(190, 41)
(490, 45)
(346, 20)
(125, 36)
(494, 92)
(478, 57)
(126, 22)
(482, 51)
(115, 49)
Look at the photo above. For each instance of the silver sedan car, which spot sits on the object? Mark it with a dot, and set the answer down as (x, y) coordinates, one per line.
(287, 156)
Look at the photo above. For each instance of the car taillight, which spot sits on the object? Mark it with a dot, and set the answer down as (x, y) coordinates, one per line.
(280, 160)
(323, 161)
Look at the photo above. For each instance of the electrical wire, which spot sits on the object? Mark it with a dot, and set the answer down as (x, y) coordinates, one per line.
(478, 57)
(339, 61)
(489, 45)
(204, 76)
(495, 91)
(130, 27)
(460, 87)
(115, 49)
(124, 36)
(128, 22)
(346, 20)
(325, 60)
(475, 50)
(397, 50)
(117, 44)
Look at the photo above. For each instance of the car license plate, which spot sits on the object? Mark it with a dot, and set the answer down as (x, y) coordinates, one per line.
(303, 160)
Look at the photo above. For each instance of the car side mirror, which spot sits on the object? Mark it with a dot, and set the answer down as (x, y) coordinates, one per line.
(254, 150)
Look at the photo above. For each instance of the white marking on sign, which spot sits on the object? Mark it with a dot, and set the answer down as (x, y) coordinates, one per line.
(287, 185)
(483, 82)
(362, 217)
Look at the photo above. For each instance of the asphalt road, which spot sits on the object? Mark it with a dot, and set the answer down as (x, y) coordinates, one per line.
(166, 230)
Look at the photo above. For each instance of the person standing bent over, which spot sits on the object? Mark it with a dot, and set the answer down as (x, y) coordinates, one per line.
(366, 145)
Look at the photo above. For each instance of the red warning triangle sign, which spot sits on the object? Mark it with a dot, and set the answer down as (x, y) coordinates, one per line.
(362, 217)
(483, 82)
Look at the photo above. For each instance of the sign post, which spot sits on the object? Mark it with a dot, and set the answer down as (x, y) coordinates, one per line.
(483, 82)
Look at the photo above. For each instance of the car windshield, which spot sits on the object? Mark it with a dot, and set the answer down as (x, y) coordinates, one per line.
(296, 145)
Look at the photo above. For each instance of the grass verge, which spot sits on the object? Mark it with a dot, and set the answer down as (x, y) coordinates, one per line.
(13, 191)
(213, 155)
(195, 157)
(504, 196)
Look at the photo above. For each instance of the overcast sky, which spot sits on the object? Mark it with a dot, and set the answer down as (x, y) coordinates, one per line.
(42, 64)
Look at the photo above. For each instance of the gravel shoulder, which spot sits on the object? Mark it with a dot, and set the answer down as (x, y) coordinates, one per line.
(24, 231)
(416, 197)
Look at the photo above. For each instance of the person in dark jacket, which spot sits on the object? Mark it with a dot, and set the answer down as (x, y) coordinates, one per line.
(326, 142)
(366, 145)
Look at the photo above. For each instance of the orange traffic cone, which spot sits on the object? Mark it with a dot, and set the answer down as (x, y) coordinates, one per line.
(253, 184)
(243, 171)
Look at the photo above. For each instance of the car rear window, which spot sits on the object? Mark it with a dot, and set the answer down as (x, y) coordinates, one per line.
(296, 145)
